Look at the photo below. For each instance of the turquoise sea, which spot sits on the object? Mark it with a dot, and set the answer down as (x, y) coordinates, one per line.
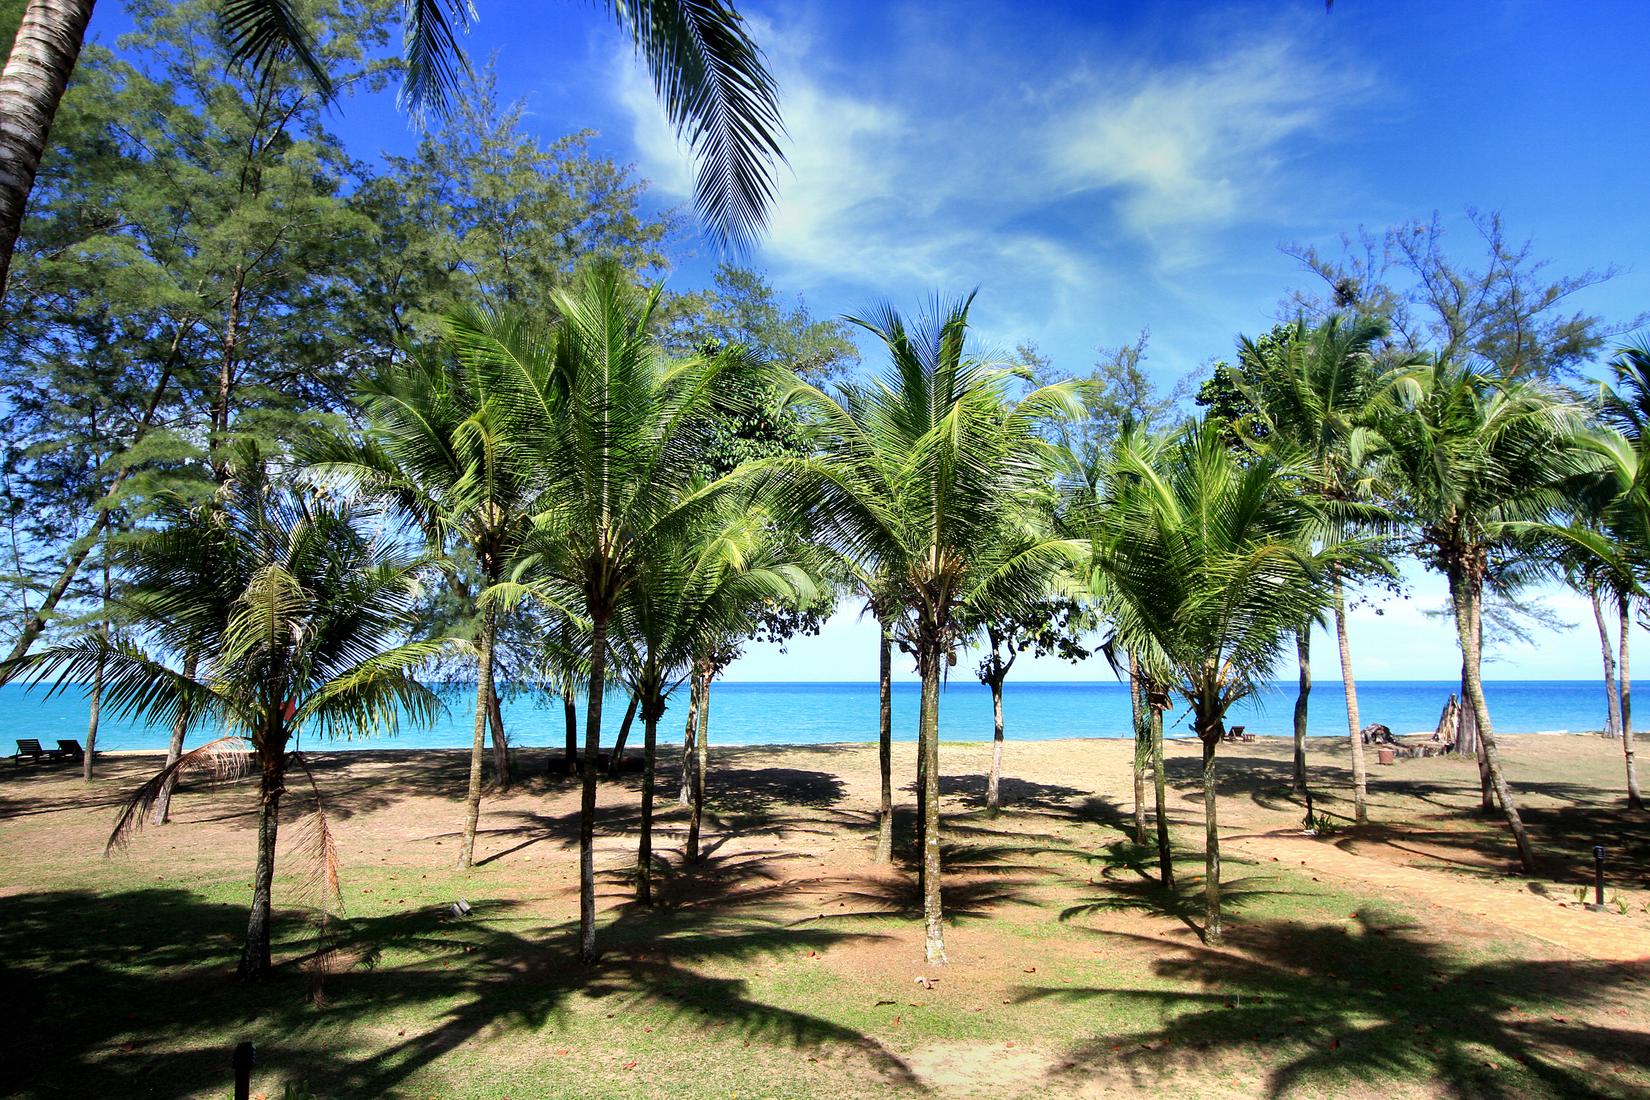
(815, 713)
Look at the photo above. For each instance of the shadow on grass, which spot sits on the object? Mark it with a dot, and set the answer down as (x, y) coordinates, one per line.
(1342, 1005)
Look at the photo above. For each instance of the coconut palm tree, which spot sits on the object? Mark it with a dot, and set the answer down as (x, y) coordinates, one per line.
(1314, 392)
(707, 72)
(1472, 458)
(436, 450)
(614, 432)
(927, 476)
(1209, 564)
(300, 623)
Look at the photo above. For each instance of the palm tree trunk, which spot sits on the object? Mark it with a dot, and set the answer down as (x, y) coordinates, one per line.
(689, 735)
(162, 813)
(993, 783)
(478, 745)
(1464, 594)
(1165, 857)
(587, 799)
(255, 962)
(1635, 800)
(701, 764)
(97, 679)
(1211, 840)
(1303, 652)
(570, 722)
(616, 763)
(644, 846)
(1142, 747)
(501, 745)
(1360, 776)
(1486, 789)
(1612, 701)
(42, 59)
(885, 745)
(928, 751)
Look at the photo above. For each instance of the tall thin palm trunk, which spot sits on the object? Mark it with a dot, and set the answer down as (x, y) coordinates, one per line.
(701, 764)
(478, 743)
(1303, 652)
(1465, 596)
(644, 846)
(615, 764)
(1211, 840)
(928, 750)
(162, 812)
(885, 744)
(570, 724)
(42, 59)
(587, 799)
(1360, 775)
(1612, 700)
(1165, 856)
(1635, 801)
(993, 783)
(1142, 747)
(255, 959)
(97, 679)
(690, 735)
(501, 744)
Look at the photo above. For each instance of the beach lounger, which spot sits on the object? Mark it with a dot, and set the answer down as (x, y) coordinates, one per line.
(30, 752)
(69, 749)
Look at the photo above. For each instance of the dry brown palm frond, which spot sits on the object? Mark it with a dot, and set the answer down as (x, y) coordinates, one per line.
(220, 759)
(319, 889)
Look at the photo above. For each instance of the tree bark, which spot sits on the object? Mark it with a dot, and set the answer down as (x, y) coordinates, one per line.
(42, 59)
(1465, 595)
(501, 744)
(1142, 747)
(587, 799)
(1211, 842)
(993, 783)
(1635, 801)
(478, 745)
(1612, 701)
(689, 735)
(1360, 776)
(644, 846)
(162, 813)
(255, 961)
(1165, 856)
(570, 719)
(97, 679)
(701, 764)
(928, 750)
(615, 763)
(885, 745)
(1303, 652)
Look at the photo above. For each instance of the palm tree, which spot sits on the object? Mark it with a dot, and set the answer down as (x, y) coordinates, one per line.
(1208, 565)
(300, 631)
(436, 449)
(1473, 457)
(614, 433)
(925, 476)
(707, 72)
(1314, 392)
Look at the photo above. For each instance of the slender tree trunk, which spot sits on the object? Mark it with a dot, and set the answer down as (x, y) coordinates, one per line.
(162, 812)
(1612, 701)
(1360, 776)
(97, 679)
(478, 744)
(1211, 839)
(993, 783)
(1165, 856)
(701, 764)
(644, 846)
(1303, 651)
(885, 745)
(1635, 801)
(501, 744)
(616, 764)
(37, 70)
(1486, 789)
(1464, 593)
(1142, 727)
(570, 720)
(587, 800)
(928, 749)
(690, 734)
(255, 962)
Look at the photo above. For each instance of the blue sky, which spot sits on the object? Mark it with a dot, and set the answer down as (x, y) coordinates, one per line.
(1101, 168)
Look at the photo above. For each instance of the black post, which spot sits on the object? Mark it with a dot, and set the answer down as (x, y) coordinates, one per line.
(244, 1057)
(1598, 876)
